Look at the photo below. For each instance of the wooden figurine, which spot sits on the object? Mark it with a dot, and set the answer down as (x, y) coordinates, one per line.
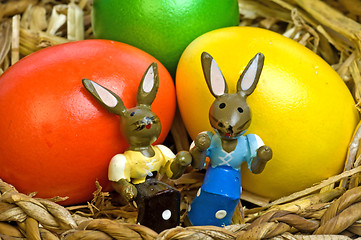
(228, 148)
(132, 173)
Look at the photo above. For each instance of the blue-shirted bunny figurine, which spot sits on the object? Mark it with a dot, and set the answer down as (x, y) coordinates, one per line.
(230, 117)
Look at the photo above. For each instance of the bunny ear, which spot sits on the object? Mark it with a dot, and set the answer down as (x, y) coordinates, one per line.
(148, 87)
(213, 75)
(248, 80)
(107, 98)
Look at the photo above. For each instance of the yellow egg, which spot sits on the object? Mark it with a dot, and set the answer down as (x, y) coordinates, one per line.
(301, 108)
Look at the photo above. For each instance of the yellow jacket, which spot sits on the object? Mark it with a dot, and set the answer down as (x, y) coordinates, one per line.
(135, 167)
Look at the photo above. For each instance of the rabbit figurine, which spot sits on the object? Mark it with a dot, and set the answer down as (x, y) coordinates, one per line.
(132, 173)
(228, 148)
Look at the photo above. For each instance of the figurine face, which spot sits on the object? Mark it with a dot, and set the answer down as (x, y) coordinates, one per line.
(230, 115)
(141, 126)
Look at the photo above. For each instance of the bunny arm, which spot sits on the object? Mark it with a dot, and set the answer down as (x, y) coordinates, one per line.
(119, 175)
(180, 163)
(264, 154)
(198, 149)
(126, 190)
(175, 164)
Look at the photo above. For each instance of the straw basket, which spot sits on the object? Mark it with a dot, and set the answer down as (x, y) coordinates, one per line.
(328, 210)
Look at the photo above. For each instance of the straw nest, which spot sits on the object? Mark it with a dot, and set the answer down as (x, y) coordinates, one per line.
(328, 210)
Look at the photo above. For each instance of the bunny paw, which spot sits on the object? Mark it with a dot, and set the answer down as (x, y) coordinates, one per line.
(264, 153)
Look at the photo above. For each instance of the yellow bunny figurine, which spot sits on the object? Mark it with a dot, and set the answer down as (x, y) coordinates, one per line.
(132, 172)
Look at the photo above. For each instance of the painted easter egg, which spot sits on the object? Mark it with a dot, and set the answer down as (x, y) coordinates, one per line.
(163, 28)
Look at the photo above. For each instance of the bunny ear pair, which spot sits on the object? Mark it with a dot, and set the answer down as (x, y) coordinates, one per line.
(147, 91)
(247, 82)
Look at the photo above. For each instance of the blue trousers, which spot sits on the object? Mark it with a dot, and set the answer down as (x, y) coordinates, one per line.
(217, 199)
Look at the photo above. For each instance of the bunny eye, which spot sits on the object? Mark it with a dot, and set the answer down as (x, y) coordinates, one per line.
(132, 114)
(240, 110)
(222, 105)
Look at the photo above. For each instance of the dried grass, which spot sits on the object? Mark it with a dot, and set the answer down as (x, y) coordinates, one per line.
(331, 209)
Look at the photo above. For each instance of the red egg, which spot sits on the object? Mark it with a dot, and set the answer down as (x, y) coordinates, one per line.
(56, 140)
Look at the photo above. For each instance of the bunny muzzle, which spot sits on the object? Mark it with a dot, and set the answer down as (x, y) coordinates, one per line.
(230, 124)
(141, 126)
(226, 130)
(146, 122)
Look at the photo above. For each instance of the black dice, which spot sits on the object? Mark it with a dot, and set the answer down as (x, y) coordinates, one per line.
(158, 205)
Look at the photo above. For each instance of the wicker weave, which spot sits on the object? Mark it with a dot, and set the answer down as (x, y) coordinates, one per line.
(26, 217)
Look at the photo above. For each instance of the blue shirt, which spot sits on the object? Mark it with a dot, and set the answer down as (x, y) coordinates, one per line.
(224, 175)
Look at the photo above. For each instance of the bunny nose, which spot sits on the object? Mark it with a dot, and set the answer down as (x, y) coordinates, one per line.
(227, 126)
(148, 122)
(230, 129)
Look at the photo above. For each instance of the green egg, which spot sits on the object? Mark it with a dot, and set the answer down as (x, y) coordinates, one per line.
(163, 28)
